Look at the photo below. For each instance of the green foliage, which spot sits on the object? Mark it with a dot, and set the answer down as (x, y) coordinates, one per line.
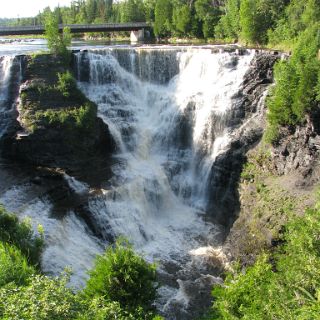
(99, 309)
(163, 18)
(297, 17)
(13, 266)
(42, 299)
(20, 234)
(30, 296)
(256, 17)
(66, 84)
(82, 117)
(283, 285)
(296, 90)
(209, 15)
(122, 276)
(132, 11)
(182, 19)
(57, 43)
(229, 26)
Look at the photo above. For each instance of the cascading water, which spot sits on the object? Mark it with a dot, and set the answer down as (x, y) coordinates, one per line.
(5, 76)
(170, 125)
(172, 112)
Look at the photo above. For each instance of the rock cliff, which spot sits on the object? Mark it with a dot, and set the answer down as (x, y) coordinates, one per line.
(57, 125)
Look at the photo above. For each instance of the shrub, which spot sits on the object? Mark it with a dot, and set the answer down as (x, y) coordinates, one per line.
(42, 299)
(122, 276)
(99, 309)
(66, 84)
(282, 285)
(13, 266)
(57, 42)
(83, 117)
(20, 234)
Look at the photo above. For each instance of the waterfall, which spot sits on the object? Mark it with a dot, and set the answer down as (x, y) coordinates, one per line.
(10, 79)
(172, 113)
(176, 115)
(5, 77)
(173, 130)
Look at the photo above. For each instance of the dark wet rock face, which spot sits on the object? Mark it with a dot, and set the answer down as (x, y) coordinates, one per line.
(298, 152)
(57, 141)
(249, 109)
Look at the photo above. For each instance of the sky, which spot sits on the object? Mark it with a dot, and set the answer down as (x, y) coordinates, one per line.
(27, 8)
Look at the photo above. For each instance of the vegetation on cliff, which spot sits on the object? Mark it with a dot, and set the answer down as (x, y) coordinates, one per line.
(61, 126)
(282, 284)
(27, 294)
(53, 98)
(274, 246)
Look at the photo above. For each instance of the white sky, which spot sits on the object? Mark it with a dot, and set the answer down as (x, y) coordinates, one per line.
(27, 8)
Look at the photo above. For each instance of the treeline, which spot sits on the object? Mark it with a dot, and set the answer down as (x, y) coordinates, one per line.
(259, 22)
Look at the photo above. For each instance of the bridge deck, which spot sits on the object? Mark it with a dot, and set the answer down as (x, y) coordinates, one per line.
(76, 28)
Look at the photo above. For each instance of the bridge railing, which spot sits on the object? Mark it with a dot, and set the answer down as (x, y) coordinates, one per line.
(76, 28)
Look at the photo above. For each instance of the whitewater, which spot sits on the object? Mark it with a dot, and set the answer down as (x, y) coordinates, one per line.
(171, 112)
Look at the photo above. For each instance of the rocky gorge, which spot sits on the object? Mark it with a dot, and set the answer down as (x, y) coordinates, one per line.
(137, 148)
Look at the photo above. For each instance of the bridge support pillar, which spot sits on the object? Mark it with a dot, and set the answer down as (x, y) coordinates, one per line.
(137, 36)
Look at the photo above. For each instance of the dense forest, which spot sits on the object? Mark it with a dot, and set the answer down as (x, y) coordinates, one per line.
(251, 21)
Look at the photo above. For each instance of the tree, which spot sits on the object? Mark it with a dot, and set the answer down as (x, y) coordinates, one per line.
(249, 20)
(132, 11)
(297, 81)
(57, 42)
(228, 26)
(91, 9)
(163, 18)
(209, 13)
(182, 19)
(149, 7)
(122, 276)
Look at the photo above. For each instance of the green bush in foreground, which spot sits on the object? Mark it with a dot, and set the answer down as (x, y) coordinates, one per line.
(20, 234)
(284, 285)
(13, 266)
(42, 299)
(121, 287)
(122, 276)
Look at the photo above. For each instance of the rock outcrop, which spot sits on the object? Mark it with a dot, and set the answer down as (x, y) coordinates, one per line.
(58, 125)
(247, 123)
(298, 151)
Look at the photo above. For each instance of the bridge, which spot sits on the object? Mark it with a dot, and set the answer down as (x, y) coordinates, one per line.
(136, 28)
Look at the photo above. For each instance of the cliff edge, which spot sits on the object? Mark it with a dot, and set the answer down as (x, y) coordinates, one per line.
(57, 125)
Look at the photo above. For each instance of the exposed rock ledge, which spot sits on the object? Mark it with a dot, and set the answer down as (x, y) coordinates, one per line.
(58, 127)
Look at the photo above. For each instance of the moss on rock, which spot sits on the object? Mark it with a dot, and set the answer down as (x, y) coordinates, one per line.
(59, 125)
